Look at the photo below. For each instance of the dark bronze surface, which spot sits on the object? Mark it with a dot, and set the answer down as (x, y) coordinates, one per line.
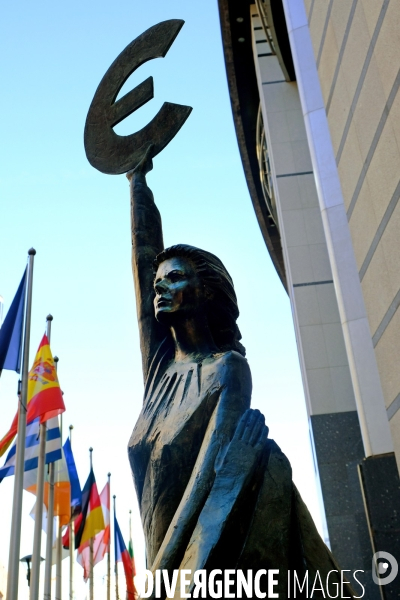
(115, 154)
(214, 492)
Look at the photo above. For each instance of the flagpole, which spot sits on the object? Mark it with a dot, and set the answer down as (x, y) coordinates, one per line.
(15, 538)
(50, 511)
(116, 564)
(59, 536)
(37, 536)
(109, 547)
(91, 582)
(130, 528)
(131, 543)
(71, 542)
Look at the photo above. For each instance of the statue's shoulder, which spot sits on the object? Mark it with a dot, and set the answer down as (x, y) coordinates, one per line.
(231, 357)
(232, 364)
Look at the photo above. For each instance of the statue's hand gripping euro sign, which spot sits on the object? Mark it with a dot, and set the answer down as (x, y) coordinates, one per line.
(115, 154)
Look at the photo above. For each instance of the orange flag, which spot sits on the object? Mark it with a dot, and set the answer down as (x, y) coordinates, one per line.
(44, 394)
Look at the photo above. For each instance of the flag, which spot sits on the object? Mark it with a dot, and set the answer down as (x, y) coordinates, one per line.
(53, 450)
(101, 541)
(132, 555)
(94, 522)
(62, 491)
(54, 454)
(11, 331)
(130, 545)
(77, 525)
(64, 553)
(90, 521)
(45, 520)
(44, 394)
(122, 554)
(76, 493)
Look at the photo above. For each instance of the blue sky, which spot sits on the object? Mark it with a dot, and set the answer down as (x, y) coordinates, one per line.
(53, 56)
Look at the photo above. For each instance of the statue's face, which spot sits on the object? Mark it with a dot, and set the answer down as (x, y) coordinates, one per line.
(178, 289)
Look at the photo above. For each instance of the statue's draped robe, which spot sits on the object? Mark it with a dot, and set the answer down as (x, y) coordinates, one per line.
(189, 416)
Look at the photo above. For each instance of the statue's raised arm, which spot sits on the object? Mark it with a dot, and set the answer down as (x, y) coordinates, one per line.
(147, 243)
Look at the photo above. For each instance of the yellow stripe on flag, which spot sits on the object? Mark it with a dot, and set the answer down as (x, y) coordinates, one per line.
(94, 524)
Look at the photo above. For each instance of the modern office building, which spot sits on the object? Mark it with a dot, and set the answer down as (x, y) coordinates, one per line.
(313, 87)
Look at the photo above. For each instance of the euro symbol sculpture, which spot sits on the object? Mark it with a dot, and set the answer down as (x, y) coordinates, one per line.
(115, 154)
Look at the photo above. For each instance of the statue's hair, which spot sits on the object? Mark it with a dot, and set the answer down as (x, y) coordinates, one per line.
(222, 309)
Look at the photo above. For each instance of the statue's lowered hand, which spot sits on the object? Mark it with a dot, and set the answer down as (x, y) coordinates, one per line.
(233, 471)
(245, 448)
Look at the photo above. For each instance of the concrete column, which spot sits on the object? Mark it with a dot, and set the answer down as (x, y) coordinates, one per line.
(364, 371)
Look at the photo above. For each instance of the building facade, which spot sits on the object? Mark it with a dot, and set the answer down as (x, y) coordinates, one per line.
(357, 52)
(313, 89)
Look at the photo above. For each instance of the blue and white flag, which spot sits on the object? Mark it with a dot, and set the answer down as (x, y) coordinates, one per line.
(11, 331)
(53, 447)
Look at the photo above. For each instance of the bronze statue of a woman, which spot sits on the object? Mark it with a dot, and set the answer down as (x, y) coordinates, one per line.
(214, 492)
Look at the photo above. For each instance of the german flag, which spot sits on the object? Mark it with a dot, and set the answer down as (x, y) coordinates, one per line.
(91, 520)
(101, 543)
(44, 394)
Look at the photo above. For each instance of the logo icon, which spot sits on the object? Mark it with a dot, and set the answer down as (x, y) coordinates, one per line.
(384, 568)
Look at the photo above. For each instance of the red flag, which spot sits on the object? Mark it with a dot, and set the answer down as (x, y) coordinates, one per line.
(122, 554)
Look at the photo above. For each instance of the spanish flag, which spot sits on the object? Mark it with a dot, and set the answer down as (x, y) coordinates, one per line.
(44, 394)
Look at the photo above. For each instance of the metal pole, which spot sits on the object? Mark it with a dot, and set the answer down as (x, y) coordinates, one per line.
(71, 542)
(59, 536)
(91, 582)
(50, 534)
(58, 562)
(50, 511)
(130, 528)
(130, 539)
(37, 536)
(15, 538)
(109, 547)
(115, 564)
